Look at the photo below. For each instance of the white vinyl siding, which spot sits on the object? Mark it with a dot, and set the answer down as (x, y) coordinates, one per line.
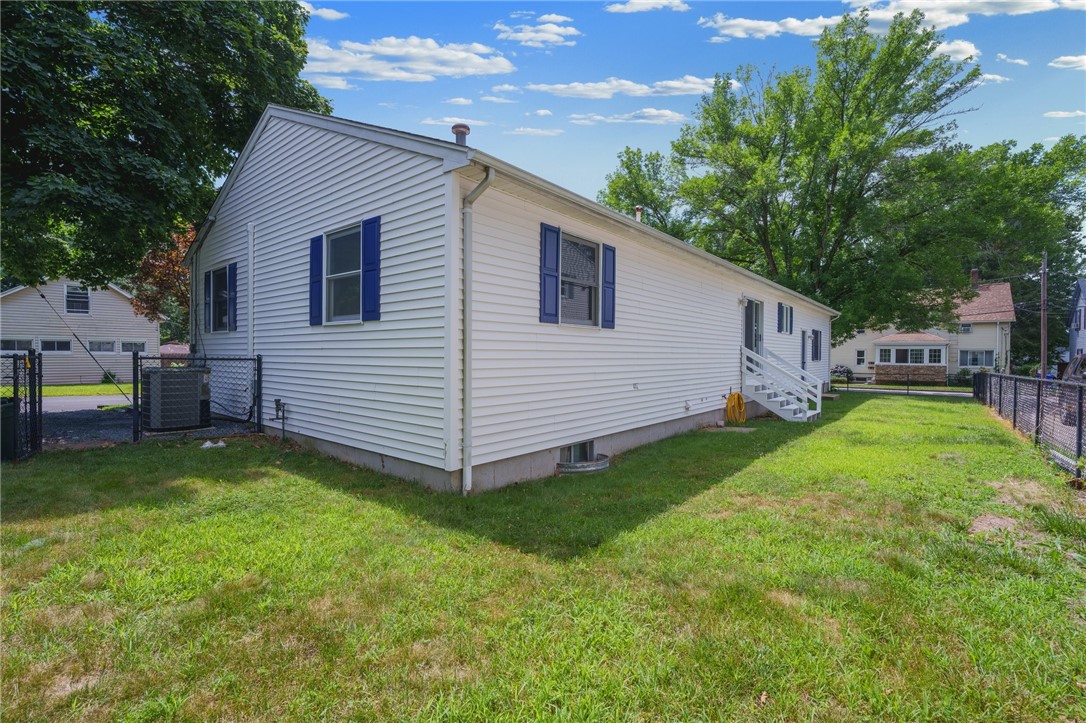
(380, 386)
(28, 316)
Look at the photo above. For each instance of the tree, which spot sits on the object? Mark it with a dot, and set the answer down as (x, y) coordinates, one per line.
(160, 288)
(118, 117)
(652, 182)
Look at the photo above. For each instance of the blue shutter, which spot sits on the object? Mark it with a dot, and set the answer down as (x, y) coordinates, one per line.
(316, 280)
(550, 239)
(232, 296)
(207, 301)
(607, 318)
(371, 269)
(780, 317)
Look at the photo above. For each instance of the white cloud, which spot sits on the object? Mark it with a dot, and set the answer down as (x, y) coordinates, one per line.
(459, 101)
(1069, 62)
(505, 88)
(449, 121)
(543, 35)
(686, 85)
(958, 49)
(554, 19)
(1012, 61)
(541, 132)
(517, 14)
(1065, 113)
(325, 13)
(496, 99)
(331, 82)
(541, 113)
(990, 78)
(407, 59)
(643, 6)
(728, 28)
(653, 116)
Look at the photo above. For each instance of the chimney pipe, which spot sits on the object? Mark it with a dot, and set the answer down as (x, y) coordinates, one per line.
(461, 131)
(974, 277)
(637, 213)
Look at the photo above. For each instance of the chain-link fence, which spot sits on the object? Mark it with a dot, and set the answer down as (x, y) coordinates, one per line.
(1051, 412)
(175, 393)
(20, 405)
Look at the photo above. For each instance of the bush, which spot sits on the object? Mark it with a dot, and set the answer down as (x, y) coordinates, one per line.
(841, 370)
(963, 378)
(109, 377)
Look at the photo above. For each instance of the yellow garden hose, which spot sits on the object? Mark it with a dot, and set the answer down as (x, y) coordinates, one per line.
(736, 408)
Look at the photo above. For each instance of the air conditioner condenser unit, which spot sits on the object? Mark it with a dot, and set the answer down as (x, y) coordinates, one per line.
(175, 399)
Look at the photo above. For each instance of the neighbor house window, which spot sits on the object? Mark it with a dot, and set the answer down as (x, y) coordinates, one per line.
(1078, 319)
(56, 345)
(965, 328)
(220, 300)
(861, 357)
(16, 344)
(976, 358)
(884, 356)
(131, 346)
(816, 345)
(916, 356)
(102, 347)
(76, 299)
(935, 356)
(580, 282)
(343, 275)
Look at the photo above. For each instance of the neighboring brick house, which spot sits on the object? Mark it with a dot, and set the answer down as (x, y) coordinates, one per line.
(980, 338)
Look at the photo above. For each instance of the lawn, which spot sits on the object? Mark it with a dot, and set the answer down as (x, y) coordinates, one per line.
(860, 567)
(97, 390)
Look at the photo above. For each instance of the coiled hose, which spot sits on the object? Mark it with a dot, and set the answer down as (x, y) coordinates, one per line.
(736, 408)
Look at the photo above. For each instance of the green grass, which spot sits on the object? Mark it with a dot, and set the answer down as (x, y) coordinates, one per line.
(97, 390)
(822, 571)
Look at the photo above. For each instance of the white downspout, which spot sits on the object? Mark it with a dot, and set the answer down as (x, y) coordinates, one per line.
(466, 365)
(251, 229)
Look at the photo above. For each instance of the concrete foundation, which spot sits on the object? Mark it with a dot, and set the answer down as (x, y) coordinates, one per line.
(494, 475)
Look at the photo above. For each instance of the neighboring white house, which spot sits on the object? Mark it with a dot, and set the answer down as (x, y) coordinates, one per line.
(1076, 321)
(352, 258)
(980, 338)
(81, 333)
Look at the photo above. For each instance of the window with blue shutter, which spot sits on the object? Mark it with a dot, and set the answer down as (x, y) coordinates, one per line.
(780, 317)
(608, 313)
(549, 243)
(371, 269)
(232, 296)
(316, 278)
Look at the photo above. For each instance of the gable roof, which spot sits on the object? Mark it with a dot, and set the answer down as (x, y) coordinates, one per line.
(993, 302)
(919, 337)
(1079, 292)
(113, 287)
(455, 157)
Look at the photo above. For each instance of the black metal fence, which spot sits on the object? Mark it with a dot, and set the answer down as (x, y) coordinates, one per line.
(948, 382)
(178, 393)
(1051, 412)
(20, 405)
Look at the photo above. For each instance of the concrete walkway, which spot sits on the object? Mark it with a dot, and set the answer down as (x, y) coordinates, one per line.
(76, 404)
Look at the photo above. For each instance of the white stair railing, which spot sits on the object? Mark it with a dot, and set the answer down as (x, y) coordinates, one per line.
(778, 378)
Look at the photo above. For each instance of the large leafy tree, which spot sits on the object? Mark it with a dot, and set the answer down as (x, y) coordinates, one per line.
(160, 287)
(651, 181)
(118, 117)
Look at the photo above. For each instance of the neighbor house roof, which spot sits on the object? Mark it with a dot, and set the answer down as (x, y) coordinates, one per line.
(919, 337)
(15, 289)
(993, 302)
(455, 156)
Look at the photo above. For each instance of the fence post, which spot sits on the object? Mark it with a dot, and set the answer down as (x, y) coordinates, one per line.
(136, 396)
(1037, 421)
(1014, 404)
(259, 393)
(33, 398)
(1078, 433)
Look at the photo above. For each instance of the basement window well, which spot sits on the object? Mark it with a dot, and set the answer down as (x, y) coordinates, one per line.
(581, 457)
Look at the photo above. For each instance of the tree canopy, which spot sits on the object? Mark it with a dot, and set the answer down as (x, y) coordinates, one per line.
(845, 184)
(118, 118)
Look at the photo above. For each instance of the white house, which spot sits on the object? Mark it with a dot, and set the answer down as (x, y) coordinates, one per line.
(81, 333)
(1076, 321)
(979, 338)
(427, 309)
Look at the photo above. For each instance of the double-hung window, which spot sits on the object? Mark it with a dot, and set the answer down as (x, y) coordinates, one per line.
(580, 282)
(785, 315)
(576, 280)
(861, 357)
(816, 345)
(221, 298)
(76, 299)
(343, 275)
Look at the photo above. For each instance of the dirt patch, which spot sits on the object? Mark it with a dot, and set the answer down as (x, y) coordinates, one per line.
(955, 457)
(435, 663)
(65, 685)
(1021, 493)
(784, 598)
(992, 523)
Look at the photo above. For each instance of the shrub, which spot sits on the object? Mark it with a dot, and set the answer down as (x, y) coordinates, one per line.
(109, 377)
(842, 370)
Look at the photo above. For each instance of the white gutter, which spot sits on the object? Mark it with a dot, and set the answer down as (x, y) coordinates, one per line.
(250, 283)
(466, 365)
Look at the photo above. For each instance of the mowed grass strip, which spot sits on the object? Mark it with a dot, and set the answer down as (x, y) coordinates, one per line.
(903, 558)
(85, 390)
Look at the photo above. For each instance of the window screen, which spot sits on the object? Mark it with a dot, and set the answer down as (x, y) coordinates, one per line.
(344, 280)
(580, 282)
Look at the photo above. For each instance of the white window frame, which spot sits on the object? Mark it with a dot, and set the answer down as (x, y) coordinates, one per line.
(68, 288)
(597, 305)
(965, 328)
(888, 353)
(43, 342)
(225, 270)
(328, 277)
(788, 317)
(28, 344)
(910, 352)
(112, 346)
(141, 342)
(861, 357)
(935, 350)
(981, 353)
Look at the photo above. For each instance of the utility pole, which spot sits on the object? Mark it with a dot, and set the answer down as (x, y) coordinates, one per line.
(1044, 314)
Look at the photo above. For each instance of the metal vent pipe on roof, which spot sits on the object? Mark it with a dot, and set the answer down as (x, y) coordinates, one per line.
(461, 131)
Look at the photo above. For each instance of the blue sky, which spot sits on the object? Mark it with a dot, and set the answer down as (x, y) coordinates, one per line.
(560, 88)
